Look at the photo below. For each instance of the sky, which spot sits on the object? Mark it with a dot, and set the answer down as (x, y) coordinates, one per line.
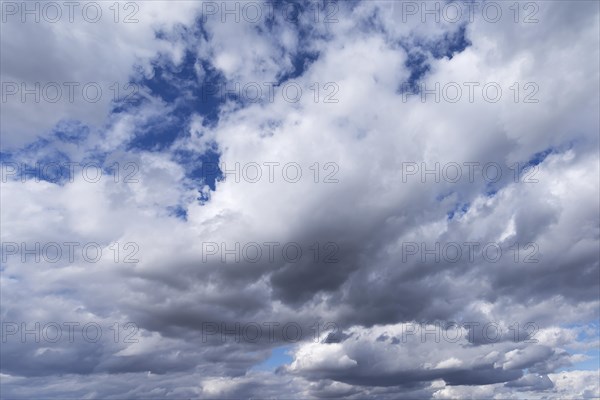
(300, 199)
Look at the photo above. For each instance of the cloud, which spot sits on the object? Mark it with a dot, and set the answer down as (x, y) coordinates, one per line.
(353, 171)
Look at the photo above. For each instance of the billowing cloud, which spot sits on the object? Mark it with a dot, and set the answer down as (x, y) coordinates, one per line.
(329, 200)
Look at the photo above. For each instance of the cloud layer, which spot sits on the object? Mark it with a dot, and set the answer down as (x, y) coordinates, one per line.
(359, 202)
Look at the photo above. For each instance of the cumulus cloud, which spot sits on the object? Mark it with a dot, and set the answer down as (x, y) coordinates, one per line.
(210, 229)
